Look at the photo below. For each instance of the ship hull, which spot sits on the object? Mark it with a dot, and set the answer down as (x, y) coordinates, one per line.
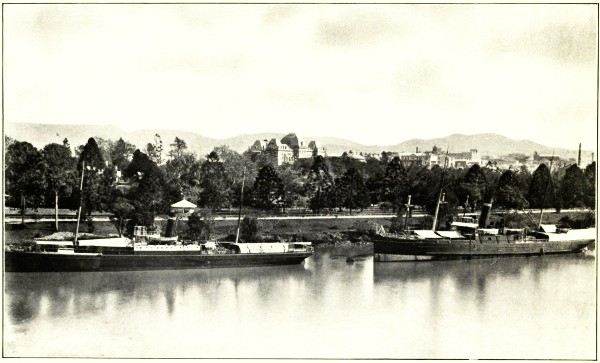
(16, 261)
(396, 249)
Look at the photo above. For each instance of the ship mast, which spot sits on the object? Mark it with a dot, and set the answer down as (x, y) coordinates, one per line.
(80, 204)
(545, 192)
(237, 234)
(408, 205)
(440, 196)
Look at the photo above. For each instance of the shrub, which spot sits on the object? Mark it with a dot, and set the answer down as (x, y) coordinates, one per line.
(397, 225)
(249, 229)
(200, 225)
(588, 220)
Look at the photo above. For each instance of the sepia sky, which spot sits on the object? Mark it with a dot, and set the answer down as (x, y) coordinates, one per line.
(375, 74)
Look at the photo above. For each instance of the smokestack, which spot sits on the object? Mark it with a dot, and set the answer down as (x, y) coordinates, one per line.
(484, 218)
(171, 227)
(579, 157)
(417, 150)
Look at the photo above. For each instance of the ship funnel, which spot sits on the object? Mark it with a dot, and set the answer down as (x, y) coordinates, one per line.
(484, 218)
(171, 227)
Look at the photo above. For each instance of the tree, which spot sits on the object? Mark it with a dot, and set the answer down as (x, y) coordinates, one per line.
(24, 175)
(541, 188)
(333, 195)
(572, 188)
(183, 173)
(375, 171)
(214, 190)
(60, 173)
(200, 225)
(509, 193)
(590, 185)
(395, 183)
(122, 210)
(92, 155)
(318, 181)
(234, 166)
(183, 170)
(140, 164)
(120, 153)
(92, 195)
(339, 165)
(178, 148)
(139, 216)
(249, 229)
(353, 191)
(155, 150)
(291, 181)
(472, 187)
(523, 178)
(268, 189)
(149, 196)
(420, 185)
(105, 146)
(152, 192)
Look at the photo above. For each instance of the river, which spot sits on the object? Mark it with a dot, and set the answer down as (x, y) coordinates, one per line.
(518, 308)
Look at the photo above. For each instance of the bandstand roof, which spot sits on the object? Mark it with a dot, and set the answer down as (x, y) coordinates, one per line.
(183, 204)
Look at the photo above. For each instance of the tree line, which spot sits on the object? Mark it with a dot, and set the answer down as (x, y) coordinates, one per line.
(152, 179)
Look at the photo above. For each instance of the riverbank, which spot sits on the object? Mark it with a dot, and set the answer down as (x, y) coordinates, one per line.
(321, 232)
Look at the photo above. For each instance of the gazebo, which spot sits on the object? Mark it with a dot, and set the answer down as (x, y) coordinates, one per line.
(183, 206)
(179, 208)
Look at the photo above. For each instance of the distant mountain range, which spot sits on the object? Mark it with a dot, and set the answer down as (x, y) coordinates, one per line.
(487, 144)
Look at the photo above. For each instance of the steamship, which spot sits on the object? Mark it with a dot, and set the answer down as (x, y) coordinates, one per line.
(474, 239)
(470, 238)
(148, 250)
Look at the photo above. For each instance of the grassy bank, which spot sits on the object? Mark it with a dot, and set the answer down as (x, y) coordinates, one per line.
(318, 231)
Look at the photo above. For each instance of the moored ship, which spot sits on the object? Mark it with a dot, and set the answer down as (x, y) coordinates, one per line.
(470, 238)
(141, 253)
(148, 251)
(479, 243)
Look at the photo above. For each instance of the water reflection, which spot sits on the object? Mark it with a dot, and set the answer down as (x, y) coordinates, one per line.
(85, 292)
(500, 308)
(325, 308)
(469, 273)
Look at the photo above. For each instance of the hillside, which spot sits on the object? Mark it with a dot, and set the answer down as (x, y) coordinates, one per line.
(487, 144)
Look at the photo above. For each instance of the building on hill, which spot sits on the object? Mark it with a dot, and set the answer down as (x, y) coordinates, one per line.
(437, 157)
(281, 152)
(544, 158)
(298, 146)
(289, 149)
(354, 156)
(259, 146)
(317, 149)
(463, 159)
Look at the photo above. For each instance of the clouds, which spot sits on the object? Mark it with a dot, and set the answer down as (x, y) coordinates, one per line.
(398, 71)
(358, 27)
(570, 38)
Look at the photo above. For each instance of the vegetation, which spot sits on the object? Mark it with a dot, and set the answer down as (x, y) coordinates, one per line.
(135, 185)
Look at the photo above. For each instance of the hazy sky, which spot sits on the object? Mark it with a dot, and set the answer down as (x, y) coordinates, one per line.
(376, 74)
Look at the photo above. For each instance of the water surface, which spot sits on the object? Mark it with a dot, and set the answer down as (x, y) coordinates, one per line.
(539, 307)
